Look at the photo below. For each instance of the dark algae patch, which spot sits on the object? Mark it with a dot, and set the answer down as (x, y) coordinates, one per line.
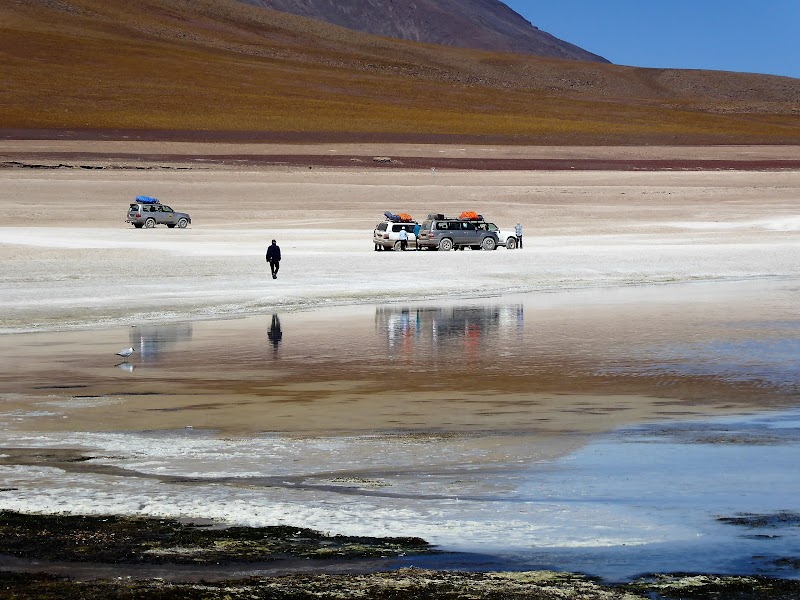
(711, 587)
(418, 584)
(115, 539)
(759, 521)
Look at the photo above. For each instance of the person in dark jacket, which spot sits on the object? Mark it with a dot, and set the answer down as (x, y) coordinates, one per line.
(274, 258)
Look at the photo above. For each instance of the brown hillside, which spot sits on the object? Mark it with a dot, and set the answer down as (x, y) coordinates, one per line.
(220, 65)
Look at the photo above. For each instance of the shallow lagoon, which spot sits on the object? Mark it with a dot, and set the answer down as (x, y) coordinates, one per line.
(604, 431)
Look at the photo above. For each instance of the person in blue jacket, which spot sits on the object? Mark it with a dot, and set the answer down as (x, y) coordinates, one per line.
(274, 258)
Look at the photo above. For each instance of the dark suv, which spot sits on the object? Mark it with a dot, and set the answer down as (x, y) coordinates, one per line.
(446, 233)
(149, 212)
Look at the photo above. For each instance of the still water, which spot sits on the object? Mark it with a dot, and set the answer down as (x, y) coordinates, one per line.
(613, 432)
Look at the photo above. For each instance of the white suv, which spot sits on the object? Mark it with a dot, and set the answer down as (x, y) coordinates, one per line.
(504, 237)
(386, 235)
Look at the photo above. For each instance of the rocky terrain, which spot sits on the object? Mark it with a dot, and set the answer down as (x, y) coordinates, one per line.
(460, 23)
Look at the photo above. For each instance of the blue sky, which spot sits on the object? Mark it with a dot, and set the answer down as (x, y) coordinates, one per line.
(747, 36)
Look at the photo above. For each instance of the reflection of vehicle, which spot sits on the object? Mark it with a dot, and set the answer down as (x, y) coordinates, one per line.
(149, 212)
(441, 233)
(387, 235)
(450, 328)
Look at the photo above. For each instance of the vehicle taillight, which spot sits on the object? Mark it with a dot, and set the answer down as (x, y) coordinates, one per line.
(138, 215)
(386, 236)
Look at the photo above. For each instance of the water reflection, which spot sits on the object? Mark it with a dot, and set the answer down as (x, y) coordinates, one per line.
(151, 341)
(275, 333)
(449, 329)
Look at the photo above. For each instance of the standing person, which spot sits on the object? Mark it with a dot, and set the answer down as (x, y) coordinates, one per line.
(274, 258)
(417, 227)
(403, 236)
(518, 233)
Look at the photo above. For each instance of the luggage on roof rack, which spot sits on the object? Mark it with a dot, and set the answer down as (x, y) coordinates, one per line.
(398, 218)
(470, 215)
(147, 200)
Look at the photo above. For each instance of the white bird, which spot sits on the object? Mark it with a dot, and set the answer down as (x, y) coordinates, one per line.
(126, 352)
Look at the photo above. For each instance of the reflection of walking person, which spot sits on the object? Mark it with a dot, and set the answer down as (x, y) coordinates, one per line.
(275, 333)
(274, 258)
(518, 232)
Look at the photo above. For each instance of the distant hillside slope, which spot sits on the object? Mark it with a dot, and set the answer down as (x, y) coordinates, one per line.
(222, 65)
(480, 24)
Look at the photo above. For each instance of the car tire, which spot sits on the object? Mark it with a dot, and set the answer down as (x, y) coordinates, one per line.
(137, 225)
(150, 223)
(446, 244)
(182, 223)
(511, 243)
(397, 247)
(488, 243)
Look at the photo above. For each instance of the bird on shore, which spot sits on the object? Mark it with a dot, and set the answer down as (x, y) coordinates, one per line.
(126, 352)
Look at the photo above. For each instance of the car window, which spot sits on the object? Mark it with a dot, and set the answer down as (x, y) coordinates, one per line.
(492, 227)
(441, 226)
(165, 208)
(468, 225)
(133, 208)
(426, 226)
(382, 226)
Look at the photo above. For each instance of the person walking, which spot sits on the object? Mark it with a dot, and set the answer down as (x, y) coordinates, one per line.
(417, 227)
(274, 258)
(518, 233)
(403, 236)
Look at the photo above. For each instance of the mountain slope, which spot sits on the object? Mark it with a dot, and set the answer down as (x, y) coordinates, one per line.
(480, 24)
(216, 65)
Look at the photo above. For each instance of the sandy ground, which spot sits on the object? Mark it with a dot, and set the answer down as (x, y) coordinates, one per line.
(71, 260)
(647, 296)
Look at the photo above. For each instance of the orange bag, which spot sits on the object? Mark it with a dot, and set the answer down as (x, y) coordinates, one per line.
(469, 215)
(405, 217)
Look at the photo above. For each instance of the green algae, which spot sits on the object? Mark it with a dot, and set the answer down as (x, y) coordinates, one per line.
(116, 539)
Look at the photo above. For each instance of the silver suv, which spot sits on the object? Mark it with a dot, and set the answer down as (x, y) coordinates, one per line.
(386, 235)
(149, 214)
(445, 233)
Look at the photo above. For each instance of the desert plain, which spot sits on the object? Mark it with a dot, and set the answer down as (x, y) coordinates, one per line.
(409, 392)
